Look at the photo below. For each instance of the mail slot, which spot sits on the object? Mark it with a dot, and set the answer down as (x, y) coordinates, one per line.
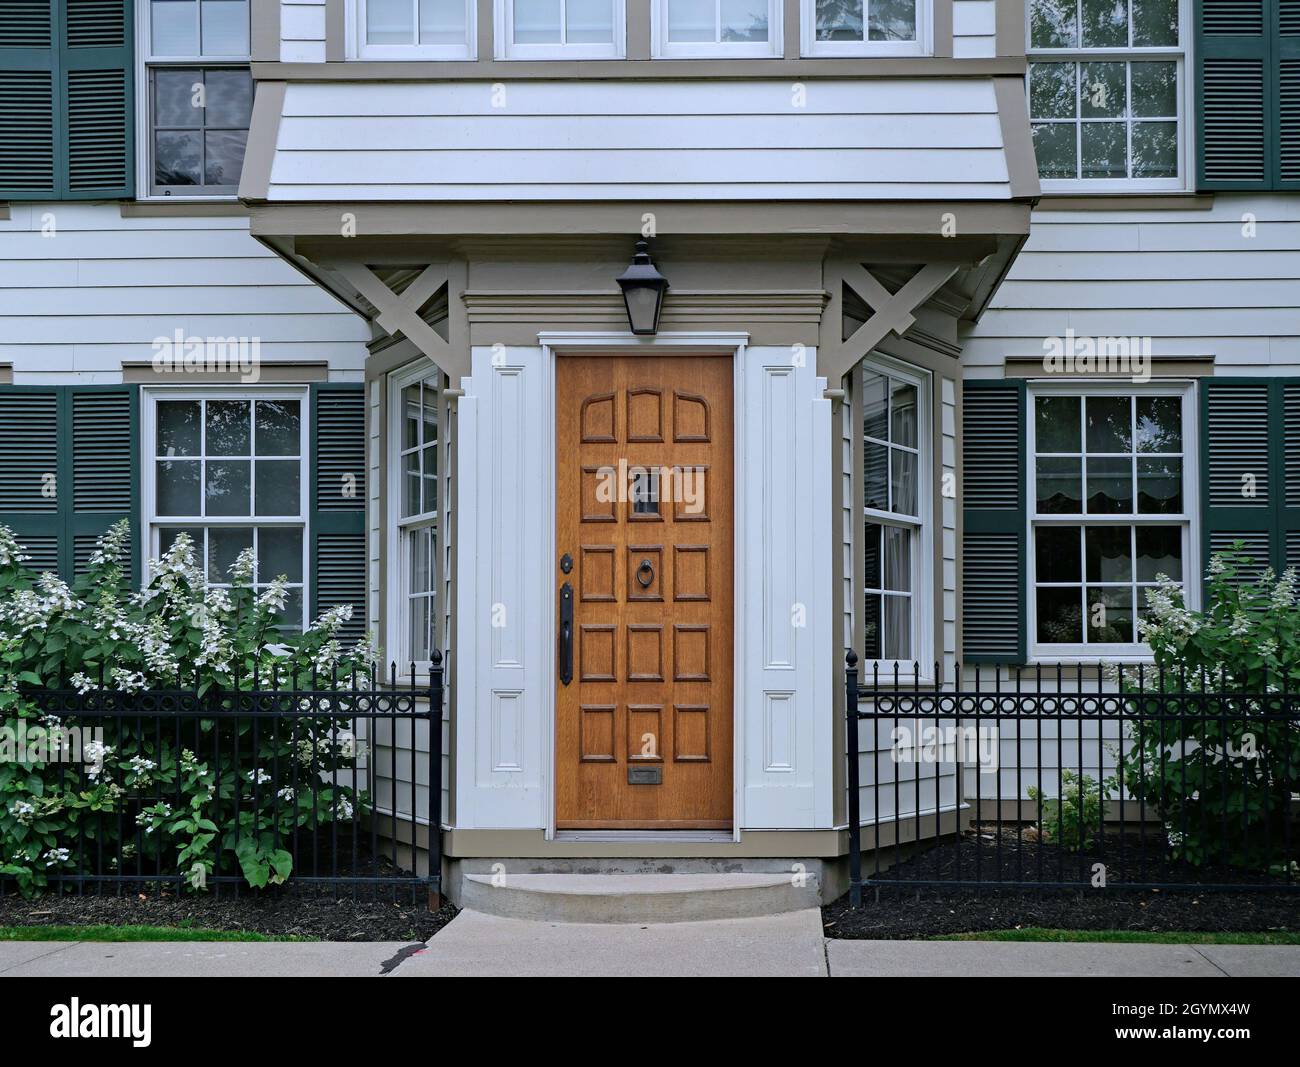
(645, 776)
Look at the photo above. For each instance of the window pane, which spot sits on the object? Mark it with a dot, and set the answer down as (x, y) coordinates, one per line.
(1102, 91)
(224, 545)
(691, 20)
(1052, 90)
(537, 21)
(1155, 89)
(839, 20)
(174, 27)
(429, 410)
(1155, 150)
(278, 486)
(178, 158)
(228, 431)
(225, 27)
(1110, 615)
(871, 626)
(891, 20)
(1103, 149)
(421, 576)
(175, 98)
(411, 484)
(1109, 424)
(744, 20)
(278, 427)
(902, 412)
(178, 487)
(443, 22)
(1160, 485)
(292, 616)
(1056, 150)
(421, 618)
(279, 552)
(1159, 551)
(223, 156)
(410, 416)
(430, 479)
(872, 571)
(898, 627)
(229, 98)
(389, 22)
(178, 428)
(1056, 554)
(1110, 485)
(1053, 23)
(1159, 424)
(1060, 485)
(902, 482)
(167, 536)
(875, 472)
(898, 559)
(1109, 553)
(1056, 426)
(227, 487)
(1060, 615)
(875, 405)
(1155, 22)
(589, 21)
(1105, 23)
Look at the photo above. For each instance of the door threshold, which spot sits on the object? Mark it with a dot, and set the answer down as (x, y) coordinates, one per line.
(593, 836)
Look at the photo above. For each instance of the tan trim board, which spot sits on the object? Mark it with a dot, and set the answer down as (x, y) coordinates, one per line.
(266, 30)
(754, 843)
(268, 106)
(1017, 137)
(942, 29)
(489, 69)
(1113, 202)
(172, 209)
(823, 218)
(335, 31)
(637, 16)
(791, 29)
(144, 373)
(4, 212)
(6, 374)
(1011, 29)
(1161, 367)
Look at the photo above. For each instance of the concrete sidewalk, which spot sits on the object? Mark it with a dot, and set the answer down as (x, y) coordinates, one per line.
(475, 945)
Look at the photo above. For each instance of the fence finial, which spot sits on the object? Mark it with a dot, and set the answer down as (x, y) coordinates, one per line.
(851, 658)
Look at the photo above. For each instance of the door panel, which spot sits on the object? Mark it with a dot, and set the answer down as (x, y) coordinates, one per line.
(644, 514)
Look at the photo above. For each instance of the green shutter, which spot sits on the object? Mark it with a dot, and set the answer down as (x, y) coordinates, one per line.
(66, 108)
(1250, 469)
(69, 467)
(1247, 55)
(993, 522)
(338, 510)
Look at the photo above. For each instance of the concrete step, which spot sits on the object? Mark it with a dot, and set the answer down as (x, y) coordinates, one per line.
(634, 898)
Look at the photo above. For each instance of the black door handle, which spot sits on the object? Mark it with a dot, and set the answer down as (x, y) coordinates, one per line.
(645, 574)
(566, 633)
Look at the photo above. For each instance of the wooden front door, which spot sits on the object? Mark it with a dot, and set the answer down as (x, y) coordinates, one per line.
(644, 528)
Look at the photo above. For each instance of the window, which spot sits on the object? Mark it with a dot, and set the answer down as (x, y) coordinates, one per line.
(710, 28)
(560, 29)
(413, 29)
(865, 27)
(199, 96)
(892, 404)
(228, 469)
(415, 474)
(1110, 511)
(1107, 93)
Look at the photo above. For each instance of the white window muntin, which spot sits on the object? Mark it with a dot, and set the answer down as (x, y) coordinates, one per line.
(1185, 520)
(508, 48)
(359, 45)
(1180, 54)
(663, 47)
(921, 45)
(156, 524)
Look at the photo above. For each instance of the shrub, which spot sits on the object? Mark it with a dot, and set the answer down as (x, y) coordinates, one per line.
(188, 800)
(1073, 819)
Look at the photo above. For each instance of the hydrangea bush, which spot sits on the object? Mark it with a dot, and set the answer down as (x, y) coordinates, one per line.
(189, 799)
(1222, 782)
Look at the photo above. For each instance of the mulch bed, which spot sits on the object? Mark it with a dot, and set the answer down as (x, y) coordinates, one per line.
(1013, 854)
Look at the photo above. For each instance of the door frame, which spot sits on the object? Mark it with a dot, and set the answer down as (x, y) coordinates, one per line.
(557, 345)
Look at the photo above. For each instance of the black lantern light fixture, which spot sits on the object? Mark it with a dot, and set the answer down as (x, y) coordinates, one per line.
(643, 291)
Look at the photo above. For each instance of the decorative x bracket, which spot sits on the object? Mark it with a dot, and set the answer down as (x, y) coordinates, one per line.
(400, 312)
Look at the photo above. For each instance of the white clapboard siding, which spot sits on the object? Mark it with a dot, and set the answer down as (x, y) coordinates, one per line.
(893, 139)
(974, 29)
(100, 288)
(302, 31)
(1217, 282)
(894, 785)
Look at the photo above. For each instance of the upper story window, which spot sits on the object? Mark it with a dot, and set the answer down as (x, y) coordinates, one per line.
(198, 97)
(560, 29)
(413, 29)
(697, 29)
(864, 27)
(1108, 91)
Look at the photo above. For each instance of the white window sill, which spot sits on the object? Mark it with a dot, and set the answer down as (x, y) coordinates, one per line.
(552, 53)
(765, 50)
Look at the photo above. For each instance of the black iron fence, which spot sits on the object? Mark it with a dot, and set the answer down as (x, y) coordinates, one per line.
(1072, 777)
(322, 781)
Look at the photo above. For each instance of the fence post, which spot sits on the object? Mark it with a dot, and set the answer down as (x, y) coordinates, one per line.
(435, 782)
(855, 806)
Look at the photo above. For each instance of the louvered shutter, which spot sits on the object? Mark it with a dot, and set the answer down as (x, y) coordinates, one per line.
(1250, 469)
(29, 146)
(338, 515)
(1247, 55)
(993, 521)
(68, 470)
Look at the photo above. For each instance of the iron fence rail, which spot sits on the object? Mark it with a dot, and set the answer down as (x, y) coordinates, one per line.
(1072, 777)
(292, 764)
